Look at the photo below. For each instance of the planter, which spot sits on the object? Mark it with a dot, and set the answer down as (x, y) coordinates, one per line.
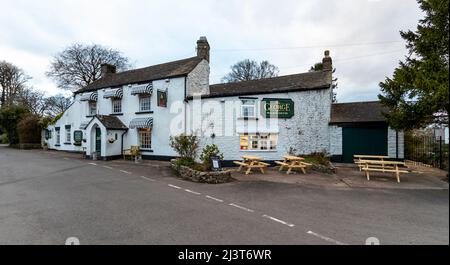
(211, 177)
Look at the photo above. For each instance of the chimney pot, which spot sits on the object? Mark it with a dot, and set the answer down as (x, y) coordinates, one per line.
(203, 48)
(327, 63)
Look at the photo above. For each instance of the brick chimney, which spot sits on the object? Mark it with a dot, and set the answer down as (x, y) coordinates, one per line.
(327, 63)
(108, 69)
(203, 48)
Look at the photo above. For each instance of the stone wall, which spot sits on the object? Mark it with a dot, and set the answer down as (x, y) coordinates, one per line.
(212, 177)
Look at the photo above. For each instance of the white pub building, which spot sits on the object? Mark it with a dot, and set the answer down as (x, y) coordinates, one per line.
(268, 117)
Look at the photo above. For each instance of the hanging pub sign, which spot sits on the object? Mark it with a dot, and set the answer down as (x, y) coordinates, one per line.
(277, 107)
(77, 137)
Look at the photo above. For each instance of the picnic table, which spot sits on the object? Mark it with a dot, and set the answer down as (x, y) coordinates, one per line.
(359, 158)
(251, 162)
(382, 166)
(292, 162)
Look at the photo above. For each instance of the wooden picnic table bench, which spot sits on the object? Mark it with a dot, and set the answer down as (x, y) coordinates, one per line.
(292, 162)
(358, 159)
(251, 162)
(383, 166)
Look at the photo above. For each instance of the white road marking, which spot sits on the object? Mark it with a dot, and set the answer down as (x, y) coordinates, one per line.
(173, 186)
(326, 238)
(149, 179)
(126, 172)
(278, 220)
(193, 192)
(92, 164)
(108, 167)
(65, 158)
(241, 207)
(213, 198)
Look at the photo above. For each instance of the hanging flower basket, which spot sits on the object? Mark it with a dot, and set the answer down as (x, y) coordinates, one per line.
(111, 140)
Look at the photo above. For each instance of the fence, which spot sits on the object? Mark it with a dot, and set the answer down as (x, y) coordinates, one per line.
(427, 149)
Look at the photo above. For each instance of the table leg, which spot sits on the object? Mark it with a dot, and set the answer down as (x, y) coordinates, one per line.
(397, 174)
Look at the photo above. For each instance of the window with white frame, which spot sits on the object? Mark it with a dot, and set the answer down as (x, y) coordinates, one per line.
(248, 108)
(145, 138)
(92, 107)
(116, 105)
(68, 140)
(264, 142)
(58, 136)
(144, 103)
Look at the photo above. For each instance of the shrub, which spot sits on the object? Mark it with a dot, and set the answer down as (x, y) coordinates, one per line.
(210, 150)
(4, 138)
(318, 158)
(186, 146)
(29, 129)
(9, 117)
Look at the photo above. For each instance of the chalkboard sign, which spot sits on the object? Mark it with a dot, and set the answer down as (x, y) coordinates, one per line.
(215, 163)
(77, 137)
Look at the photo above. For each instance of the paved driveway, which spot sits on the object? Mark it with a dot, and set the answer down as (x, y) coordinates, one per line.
(46, 197)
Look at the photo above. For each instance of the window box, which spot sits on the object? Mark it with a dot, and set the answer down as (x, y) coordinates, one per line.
(116, 114)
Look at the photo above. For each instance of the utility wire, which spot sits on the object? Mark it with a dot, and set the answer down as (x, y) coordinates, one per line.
(308, 46)
(340, 60)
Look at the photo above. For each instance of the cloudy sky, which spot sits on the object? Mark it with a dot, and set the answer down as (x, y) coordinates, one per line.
(362, 35)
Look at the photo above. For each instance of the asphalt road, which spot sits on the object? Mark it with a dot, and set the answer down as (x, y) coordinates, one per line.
(46, 198)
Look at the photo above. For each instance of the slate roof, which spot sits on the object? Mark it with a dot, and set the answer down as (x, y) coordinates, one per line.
(358, 112)
(154, 72)
(287, 83)
(111, 122)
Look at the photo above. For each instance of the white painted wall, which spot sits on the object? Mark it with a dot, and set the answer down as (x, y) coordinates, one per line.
(198, 80)
(162, 117)
(307, 131)
(335, 140)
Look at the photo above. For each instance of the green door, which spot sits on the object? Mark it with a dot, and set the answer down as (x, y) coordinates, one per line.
(363, 141)
(98, 140)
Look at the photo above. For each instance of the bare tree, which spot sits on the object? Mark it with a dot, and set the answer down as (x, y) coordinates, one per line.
(12, 81)
(79, 65)
(250, 70)
(57, 104)
(32, 100)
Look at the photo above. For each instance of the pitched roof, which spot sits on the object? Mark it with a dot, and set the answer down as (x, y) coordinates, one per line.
(358, 112)
(154, 72)
(111, 122)
(287, 83)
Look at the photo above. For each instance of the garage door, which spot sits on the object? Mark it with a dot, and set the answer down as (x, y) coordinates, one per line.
(363, 140)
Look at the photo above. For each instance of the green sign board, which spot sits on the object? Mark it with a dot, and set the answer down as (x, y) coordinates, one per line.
(77, 137)
(277, 108)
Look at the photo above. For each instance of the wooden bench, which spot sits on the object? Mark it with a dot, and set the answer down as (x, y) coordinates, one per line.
(131, 153)
(292, 162)
(383, 166)
(359, 158)
(250, 165)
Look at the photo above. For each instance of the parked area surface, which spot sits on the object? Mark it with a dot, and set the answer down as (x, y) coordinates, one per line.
(46, 197)
(348, 176)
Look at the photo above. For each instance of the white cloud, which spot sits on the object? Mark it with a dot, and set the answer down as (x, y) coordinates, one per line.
(160, 31)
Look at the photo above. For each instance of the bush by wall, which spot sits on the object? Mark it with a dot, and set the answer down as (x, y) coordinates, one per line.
(29, 129)
(9, 117)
